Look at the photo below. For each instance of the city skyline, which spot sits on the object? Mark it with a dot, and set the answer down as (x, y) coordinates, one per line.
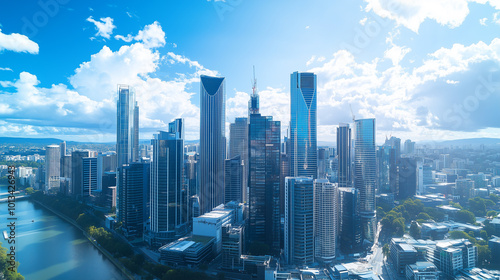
(384, 64)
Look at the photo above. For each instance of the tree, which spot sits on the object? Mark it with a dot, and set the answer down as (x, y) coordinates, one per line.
(491, 213)
(386, 250)
(435, 214)
(415, 230)
(424, 216)
(465, 216)
(477, 206)
(483, 255)
(29, 191)
(483, 234)
(461, 235)
(495, 198)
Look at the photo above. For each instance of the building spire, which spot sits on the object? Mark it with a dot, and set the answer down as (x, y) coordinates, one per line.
(253, 103)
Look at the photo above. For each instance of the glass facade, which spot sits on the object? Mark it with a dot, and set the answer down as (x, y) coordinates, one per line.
(264, 181)
(303, 134)
(238, 146)
(127, 136)
(77, 173)
(134, 212)
(89, 177)
(350, 223)
(168, 197)
(365, 174)
(233, 190)
(325, 220)
(344, 155)
(212, 142)
(299, 221)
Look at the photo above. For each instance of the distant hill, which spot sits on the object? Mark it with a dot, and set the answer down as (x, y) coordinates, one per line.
(38, 141)
(473, 141)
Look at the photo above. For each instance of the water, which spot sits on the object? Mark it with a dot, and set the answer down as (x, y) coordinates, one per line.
(51, 248)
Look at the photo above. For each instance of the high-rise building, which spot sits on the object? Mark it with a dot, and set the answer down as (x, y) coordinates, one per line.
(409, 147)
(387, 170)
(212, 142)
(264, 181)
(323, 161)
(168, 198)
(394, 143)
(77, 172)
(127, 132)
(325, 220)
(65, 175)
(303, 125)
(299, 221)
(105, 163)
(52, 167)
(63, 148)
(89, 178)
(233, 190)
(132, 208)
(407, 178)
(238, 146)
(350, 222)
(344, 155)
(365, 174)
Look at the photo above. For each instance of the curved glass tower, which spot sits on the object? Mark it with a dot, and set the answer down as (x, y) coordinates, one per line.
(365, 174)
(212, 142)
(127, 134)
(303, 135)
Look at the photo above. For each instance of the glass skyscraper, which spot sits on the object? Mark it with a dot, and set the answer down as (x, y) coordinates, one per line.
(303, 124)
(89, 176)
(325, 220)
(238, 146)
(299, 221)
(133, 205)
(168, 198)
(212, 142)
(350, 224)
(127, 131)
(233, 190)
(365, 174)
(344, 155)
(264, 137)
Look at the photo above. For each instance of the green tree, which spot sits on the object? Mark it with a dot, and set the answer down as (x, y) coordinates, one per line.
(424, 216)
(483, 234)
(495, 198)
(29, 190)
(5, 265)
(386, 250)
(465, 216)
(434, 213)
(477, 206)
(483, 255)
(491, 213)
(461, 235)
(415, 230)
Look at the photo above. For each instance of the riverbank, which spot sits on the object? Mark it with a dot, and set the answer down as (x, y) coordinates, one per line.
(115, 262)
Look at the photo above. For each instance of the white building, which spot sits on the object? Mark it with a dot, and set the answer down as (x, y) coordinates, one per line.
(325, 220)
(52, 167)
(210, 224)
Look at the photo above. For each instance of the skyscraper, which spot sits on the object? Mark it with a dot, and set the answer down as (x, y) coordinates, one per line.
(212, 142)
(127, 132)
(89, 178)
(77, 172)
(264, 181)
(132, 206)
(350, 224)
(233, 190)
(344, 155)
(238, 146)
(52, 167)
(407, 178)
(168, 198)
(365, 174)
(303, 134)
(325, 220)
(299, 221)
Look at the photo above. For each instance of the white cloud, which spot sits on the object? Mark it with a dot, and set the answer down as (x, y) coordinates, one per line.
(5, 69)
(307, 27)
(452, 82)
(363, 21)
(17, 43)
(104, 27)
(152, 36)
(483, 21)
(496, 17)
(396, 53)
(411, 14)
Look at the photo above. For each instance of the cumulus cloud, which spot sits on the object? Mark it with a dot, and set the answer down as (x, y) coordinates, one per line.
(152, 36)
(411, 14)
(483, 21)
(104, 26)
(17, 43)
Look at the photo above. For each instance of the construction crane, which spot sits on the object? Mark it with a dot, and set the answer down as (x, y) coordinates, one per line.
(353, 117)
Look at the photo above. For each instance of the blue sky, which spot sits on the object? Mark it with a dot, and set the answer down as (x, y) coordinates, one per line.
(426, 70)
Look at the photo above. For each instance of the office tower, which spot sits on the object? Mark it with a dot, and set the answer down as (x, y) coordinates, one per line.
(303, 134)
(191, 170)
(344, 155)
(232, 246)
(127, 132)
(365, 174)
(387, 170)
(65, 175)
(53, 165)
(132, 207)
(325, 220)
(77, 172)
(407, 178)
(409, 147)
(445, 161)
(63, 148)
(350, 222)
(238, 146)
(89, 179)
(424, 176)
(323, 157)
(168, 198)
(395, 143)
(109, 189)
(233, 190)
(105, 163)
(299, 221)
(264, 181)
(212, 142)
(464, 189)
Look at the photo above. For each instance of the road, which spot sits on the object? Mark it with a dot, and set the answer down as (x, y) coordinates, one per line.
(376, 258)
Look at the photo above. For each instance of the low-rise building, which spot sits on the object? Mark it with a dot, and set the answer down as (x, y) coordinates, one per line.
(422, 271)
(187, 251)
(402, 254)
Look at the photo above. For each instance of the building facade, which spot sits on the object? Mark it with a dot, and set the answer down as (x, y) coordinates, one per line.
(325, 220)
(52, 167)
(344, 156)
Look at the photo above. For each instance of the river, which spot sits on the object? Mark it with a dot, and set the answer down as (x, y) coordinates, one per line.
(48, 247)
